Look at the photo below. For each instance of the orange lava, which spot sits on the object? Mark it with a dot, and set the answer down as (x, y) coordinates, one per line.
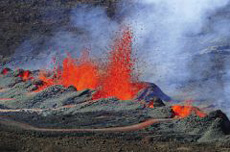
(115, 79)
(81, 73)
(47, 81)
(25, 75)
(118, 81)
(184, 111)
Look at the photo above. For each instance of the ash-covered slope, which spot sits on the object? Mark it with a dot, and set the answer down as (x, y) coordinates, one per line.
(24, 93)
(66, 108)
(214, 127)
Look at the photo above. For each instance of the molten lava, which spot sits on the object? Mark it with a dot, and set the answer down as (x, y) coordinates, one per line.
(25, 75)
(115, 79)
(5, 71)
(184, 111)
(81, 73)
(118, 81)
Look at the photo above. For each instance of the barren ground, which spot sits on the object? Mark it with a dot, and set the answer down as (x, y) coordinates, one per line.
(21, 20)
(25, 141)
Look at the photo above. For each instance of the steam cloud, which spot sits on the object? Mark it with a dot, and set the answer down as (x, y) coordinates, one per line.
(183, 45)
(173, 37)
(89, 28)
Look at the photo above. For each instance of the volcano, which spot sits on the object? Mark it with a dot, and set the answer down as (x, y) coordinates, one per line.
(81, 98)
(114, 75)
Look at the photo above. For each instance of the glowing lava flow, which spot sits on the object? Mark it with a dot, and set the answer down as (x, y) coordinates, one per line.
(118, 81)
(184, 111)
(115, 79)
(80, 73)
(25, 75)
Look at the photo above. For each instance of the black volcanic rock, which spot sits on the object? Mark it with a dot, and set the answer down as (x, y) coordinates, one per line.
(37, 82)
(18, 72)
(71, 88)
(157, 102)
(224, 122)
(77, 96)
(219, 128)
(213, 127)
(150, 91)
(161, 112)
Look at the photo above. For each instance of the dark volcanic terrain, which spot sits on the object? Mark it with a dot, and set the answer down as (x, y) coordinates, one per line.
(65, 116)
(64, 119)
(37, 20)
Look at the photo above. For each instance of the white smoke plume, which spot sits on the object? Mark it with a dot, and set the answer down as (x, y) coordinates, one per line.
(173, 36)
(162, 29)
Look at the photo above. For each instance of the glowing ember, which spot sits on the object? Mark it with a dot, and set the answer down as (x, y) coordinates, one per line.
(46, 81)
(116, 79)
(151, 104)
(25, 75)
(5, 71)
(184, 111)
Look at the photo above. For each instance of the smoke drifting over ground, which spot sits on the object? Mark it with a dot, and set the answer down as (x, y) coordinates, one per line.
(89, 28)
(180, 44)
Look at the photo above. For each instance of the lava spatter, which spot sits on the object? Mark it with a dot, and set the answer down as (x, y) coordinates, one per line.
(115, 79)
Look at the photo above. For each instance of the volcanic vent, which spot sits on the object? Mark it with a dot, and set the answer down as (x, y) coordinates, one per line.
(83, 95)
(115, 78)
